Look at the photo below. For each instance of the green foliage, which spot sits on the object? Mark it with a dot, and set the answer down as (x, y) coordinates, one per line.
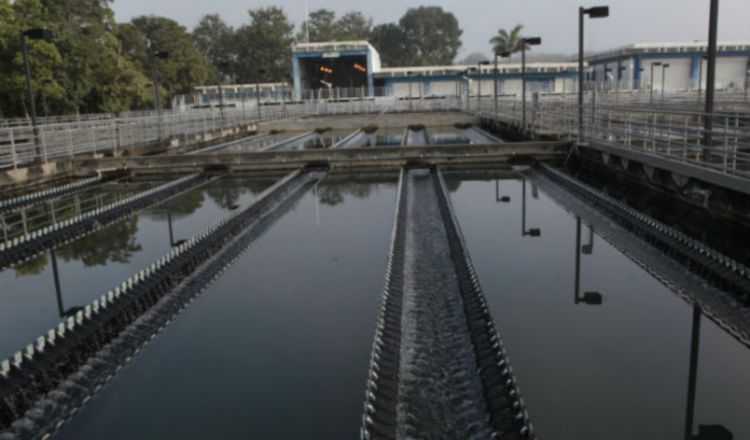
(92, 64)
(432, 35)
(424, 35)
(214, 39)
(389, 40)
(115, 243)
(265, 43)
(324, 26)
(509, 42)
(184, 68)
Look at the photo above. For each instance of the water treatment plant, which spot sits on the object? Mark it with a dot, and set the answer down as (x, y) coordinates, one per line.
(444, 254)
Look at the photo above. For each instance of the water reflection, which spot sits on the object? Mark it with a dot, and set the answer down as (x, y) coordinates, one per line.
(49, 212)
(332, 193)
(180, 207)
(588, 298)
(528, 232)
(620, 350)
(705, 432)
(61, 310)
(115, 243)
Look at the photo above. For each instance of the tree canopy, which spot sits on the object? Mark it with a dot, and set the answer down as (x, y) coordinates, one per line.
(94, 64)
(324, 26)
(508, 42)
(432, 35)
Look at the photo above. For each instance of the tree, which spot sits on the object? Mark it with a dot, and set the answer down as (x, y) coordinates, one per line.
(184, 68)
(320, 26)
(389, 40)
(353, 26)
(264, 44)
(214, 39)
(324, 26)
(44, 57)
(509, 42)
(432, 35)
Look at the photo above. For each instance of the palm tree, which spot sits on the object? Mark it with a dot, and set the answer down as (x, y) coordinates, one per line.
(509, 42)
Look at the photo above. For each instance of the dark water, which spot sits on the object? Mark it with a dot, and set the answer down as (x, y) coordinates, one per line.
(94, 264)
(698, 223)
(277, 348)
(618, 370)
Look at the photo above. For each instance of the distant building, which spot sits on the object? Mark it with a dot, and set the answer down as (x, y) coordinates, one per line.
(325, 67)
(630, 67)
(352, 69)
(333, 65)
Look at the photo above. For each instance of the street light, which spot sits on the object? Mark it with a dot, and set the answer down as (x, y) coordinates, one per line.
(651, 80)
(33, 34)
(532, 41)
(497, 73)
(595, 12)
(479, 83)
(663, 76)
(713, 24)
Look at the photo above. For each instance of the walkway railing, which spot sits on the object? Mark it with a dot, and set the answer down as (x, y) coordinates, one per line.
(674, 134)
(97, 134)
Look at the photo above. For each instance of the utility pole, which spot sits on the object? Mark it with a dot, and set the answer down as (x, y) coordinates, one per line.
(595, 12)
(713, 26)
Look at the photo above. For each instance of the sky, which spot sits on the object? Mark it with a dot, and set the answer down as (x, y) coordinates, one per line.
(555, 21)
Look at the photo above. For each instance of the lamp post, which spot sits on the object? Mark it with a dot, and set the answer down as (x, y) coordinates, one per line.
(713, 24)
(497, 79)
(532, 41)
(33, 34)
(663, 78)
(594, 12)
(651, 81)
(479, 83)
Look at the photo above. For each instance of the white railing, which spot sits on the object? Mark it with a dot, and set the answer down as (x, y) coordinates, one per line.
(105, 134)
(676, 134)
